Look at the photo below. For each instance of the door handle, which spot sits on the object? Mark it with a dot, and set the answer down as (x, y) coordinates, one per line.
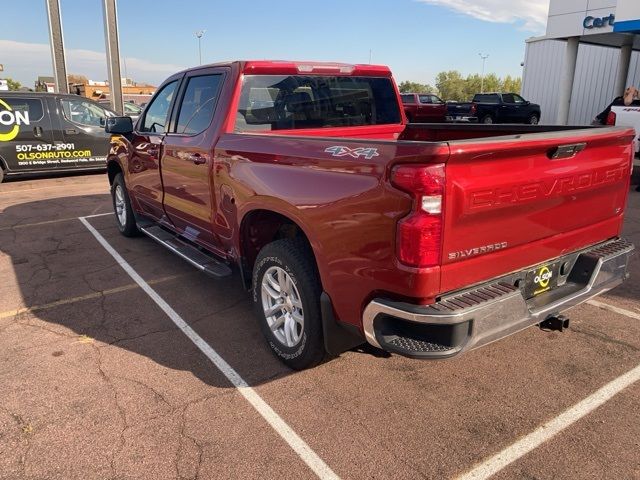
(37, 131)
(197, 159)
(71, 131)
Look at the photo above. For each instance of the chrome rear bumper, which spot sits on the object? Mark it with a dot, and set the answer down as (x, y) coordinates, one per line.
(470, 318)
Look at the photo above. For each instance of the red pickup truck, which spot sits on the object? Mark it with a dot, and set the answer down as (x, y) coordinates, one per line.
(424, 108)
(349, 225)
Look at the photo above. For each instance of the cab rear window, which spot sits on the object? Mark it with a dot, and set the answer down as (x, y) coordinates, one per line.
(274, 102)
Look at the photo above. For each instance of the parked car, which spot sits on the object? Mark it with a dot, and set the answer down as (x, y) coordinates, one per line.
(130, 109)
(347, 225)
(505, 108)
(424, 108)
(42, 132)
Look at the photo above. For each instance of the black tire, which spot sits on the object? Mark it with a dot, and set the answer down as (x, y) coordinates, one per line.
(296, 259)
(126, 224)
(487, 120)
(533, 120)
(1, 173)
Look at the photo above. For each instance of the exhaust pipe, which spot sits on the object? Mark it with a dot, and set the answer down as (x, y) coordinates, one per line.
(554, 323)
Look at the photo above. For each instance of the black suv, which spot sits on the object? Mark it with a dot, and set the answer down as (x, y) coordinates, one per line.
(45, 132)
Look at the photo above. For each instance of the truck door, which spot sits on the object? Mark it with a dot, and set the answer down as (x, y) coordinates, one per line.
(523, 110)
(509, 110)
(82, 125)
(143, 173)
(187, 160)
(26, 136)
(429, 111)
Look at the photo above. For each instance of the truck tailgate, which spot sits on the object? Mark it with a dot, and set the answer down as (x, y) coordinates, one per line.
(513, 202)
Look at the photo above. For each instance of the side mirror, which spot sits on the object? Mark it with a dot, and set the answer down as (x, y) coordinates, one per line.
(119, 125)
(527, 102)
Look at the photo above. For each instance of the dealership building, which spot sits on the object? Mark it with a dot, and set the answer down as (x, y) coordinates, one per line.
(590, 52)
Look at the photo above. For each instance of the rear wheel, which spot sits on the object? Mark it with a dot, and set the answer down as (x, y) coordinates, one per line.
(286, 297)
(487, 120)
(125, 219)
(533, 120)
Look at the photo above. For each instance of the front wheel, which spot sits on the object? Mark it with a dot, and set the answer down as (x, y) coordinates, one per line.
(1, 173)
(125, 219)
(286, 296)
(533, 120)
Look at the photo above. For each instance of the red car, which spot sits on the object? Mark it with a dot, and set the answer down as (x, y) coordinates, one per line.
(347, 225)
(424, 108)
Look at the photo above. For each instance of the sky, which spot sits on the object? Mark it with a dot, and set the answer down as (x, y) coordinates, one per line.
(416, 38)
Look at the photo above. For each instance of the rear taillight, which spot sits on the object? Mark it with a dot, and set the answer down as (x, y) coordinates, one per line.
(611, 118)
(474, 109)
(419, 237)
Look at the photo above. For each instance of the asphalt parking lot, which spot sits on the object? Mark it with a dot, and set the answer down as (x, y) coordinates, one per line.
(97, 380)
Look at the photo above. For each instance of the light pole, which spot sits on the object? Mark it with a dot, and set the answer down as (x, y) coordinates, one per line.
(199, 34)
(484, 59)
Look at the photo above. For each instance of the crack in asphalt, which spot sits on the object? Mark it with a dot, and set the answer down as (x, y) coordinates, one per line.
(199, 447)
(119, 408)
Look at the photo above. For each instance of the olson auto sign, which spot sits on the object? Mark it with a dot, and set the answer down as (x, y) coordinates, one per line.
(11, 118)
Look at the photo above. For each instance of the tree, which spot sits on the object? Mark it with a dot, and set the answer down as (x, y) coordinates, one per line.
(414, 87)
(510, 84)
(451, 85)
(13, 84)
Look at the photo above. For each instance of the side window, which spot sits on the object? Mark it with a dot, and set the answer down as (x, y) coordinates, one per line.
(408, 99)
(198, 103)
(436, 99)
(508, 98)
(83, 112)
(518, 99)
(31, 106)
(425, 98)
(155, 120)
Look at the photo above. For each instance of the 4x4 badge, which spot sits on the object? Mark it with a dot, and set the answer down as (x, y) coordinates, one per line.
(340, 151)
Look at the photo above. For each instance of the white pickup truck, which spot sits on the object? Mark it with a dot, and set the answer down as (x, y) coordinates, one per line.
(626, 117)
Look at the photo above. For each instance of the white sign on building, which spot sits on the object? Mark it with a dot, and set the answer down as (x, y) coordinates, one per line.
(589, 54)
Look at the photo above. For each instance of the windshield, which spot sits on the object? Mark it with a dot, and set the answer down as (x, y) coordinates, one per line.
(274, 102)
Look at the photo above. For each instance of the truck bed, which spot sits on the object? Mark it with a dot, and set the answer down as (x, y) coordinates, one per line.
(346, 204)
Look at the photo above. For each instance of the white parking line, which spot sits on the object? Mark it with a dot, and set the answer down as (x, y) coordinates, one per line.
(313, 461)
(550, 429)
(96, 215)
(611, 308)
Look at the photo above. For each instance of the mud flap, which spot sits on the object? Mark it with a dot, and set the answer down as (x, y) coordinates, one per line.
(338, 337)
